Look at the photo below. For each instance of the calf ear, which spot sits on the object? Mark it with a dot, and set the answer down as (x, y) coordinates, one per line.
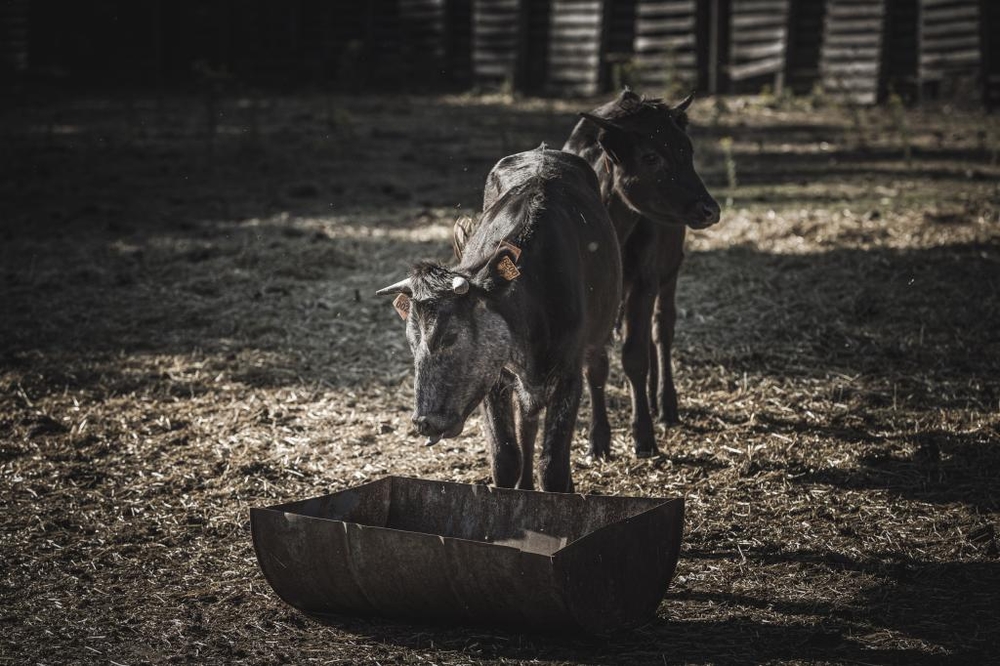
(503, 266)
(614, 140)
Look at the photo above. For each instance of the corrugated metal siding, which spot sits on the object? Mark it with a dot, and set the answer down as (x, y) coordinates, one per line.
(851, 56)
(666, 42)
(496, 32)
(576, 36)
(950, 53)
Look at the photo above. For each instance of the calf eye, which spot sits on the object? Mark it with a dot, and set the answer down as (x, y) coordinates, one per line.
(652, 159)
(449, 338)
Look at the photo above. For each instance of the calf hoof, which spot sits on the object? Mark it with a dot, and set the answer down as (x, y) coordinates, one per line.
(600, 442)
(600, 454)
(668, 414)
(563, 487)
(668, 420)
(645, 440)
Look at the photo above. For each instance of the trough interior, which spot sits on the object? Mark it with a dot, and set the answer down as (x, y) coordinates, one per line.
(534, 522)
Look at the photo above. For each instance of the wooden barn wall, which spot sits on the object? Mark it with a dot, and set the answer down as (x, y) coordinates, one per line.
(758, 44)
(899, 50)
(536, 45)
(458, 41)
(576, 47)
(805, 37)
(620, 30)
(379, 43)
(990, 34)
(496, 42)
(421, 36)
(858, 49)
(666, 45)
(949, 47)
(851, 55)
(13, 37)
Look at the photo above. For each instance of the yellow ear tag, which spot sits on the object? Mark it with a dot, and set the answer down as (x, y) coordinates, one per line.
(402, 305)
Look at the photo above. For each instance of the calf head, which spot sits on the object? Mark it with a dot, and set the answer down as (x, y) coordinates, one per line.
(649, 159)
(460, 344)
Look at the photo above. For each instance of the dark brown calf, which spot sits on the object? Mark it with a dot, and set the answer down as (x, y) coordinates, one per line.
(644, 161)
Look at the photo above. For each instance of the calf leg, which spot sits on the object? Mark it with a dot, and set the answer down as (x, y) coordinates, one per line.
(527, 430)
(597, 379)
(498, 425)
(635, 361)
(560, 420)
(670, 251)
(664, 321)
(653, 381)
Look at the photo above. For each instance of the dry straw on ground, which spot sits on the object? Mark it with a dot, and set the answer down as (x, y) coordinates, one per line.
(187, 332)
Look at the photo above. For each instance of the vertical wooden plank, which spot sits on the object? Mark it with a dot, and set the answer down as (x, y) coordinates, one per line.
(950, 50)
(900, 48)
(990, 35)
(495, 42)
(576, 36)
(665, 43)
(13, 38)
(458, 44)
(758, 43)
(851, 55)
(620, 17)
(535, 46)
(805, 37)
(421, 26)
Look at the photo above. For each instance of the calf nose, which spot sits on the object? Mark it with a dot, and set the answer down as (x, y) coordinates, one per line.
(421, 423)
(709, 212)
(430, 424)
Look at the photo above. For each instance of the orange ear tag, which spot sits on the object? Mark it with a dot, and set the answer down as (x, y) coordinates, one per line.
(510, 247)
(506, 268)
(402, 305)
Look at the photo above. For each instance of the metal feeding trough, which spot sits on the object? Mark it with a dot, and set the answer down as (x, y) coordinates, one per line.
(416, 549)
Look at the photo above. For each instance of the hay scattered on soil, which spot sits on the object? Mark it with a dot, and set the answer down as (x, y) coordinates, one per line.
(189, 330)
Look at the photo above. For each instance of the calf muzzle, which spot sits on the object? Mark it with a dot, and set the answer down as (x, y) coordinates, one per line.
(704, 214)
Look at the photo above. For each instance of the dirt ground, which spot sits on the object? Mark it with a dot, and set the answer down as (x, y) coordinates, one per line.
(188, 329)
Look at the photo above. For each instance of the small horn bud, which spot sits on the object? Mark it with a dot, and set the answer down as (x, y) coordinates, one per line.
(460, 285)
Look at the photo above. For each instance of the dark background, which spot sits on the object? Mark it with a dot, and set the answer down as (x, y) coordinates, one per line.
(856, 48)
